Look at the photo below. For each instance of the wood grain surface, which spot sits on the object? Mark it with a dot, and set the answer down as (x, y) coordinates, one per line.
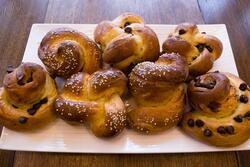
(17, 16)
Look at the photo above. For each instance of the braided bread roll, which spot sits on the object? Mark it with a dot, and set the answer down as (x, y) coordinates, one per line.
(200, 49)
(65, 51)
(221, 110)
(26, 98)
(158, 91)
(126, 41)
(94, 100)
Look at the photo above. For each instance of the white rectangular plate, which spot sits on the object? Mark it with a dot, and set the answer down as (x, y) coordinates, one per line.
(62, 137)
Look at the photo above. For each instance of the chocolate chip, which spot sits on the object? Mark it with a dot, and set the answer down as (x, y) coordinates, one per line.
(14, 106)
(207, 133)
(9, 69)
(209, 48)
(31, 111)
(23, 120)
(247, 114)
(200, 47)
(216, 71)
(190, 123)
(203, 32)
(243, 86)
(128, 29)
(238, 118)
(194, 58)
(44, 100)
(230, 129)
(221, 130)
(127, 24)
(199, 123)
(36, 106)
(181, 31)
(243, 98)
(214, 106)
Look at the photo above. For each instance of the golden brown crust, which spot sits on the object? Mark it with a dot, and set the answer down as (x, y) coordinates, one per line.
(28, 106)
(126, 41)
(158, 93)
(200, 49)
(94, 100)
(223, 121)
(65, 51)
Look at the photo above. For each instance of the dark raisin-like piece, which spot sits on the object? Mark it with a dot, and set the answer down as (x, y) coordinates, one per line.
(243, 86)
(200, 47)
(128, 29)
(181, 32)
(238, 118)
(23, 120)
(221, 130)
(243, 99)
(31, 111)
(190, 123)
(209, 48)
(199, 123)
(230, 129)
(247, 114)
(44, 100)
(207, 133)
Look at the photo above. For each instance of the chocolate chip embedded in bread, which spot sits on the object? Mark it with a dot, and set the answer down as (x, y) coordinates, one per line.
(207, 133)
(209, 48)
(247, 114)
(243, 98)
(181, 32)
(200, 47)
(128, 29)
(14, 106)
(230, 129)
(199, 123)
(44, 100)
(190, 123)
(221, 130)
(243, 86)
(31, 111)
(238, 118)
(23, 120)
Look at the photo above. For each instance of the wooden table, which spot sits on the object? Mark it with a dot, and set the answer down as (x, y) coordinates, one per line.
(17, 16)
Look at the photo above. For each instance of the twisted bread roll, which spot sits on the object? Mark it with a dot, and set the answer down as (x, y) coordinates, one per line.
(200, 49)
(26, 98)
(65, 51)
(126, 41)
(158, 93)
(221, 111)
(95, 100)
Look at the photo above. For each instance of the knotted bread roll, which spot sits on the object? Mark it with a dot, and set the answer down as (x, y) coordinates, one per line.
(158, 91)
(65, 51)
(26, 98)
(200, 49)
(126, 41)
(94, 100)
(221, 110)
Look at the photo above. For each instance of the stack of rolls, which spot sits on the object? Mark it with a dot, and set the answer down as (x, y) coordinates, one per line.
(121, 79)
